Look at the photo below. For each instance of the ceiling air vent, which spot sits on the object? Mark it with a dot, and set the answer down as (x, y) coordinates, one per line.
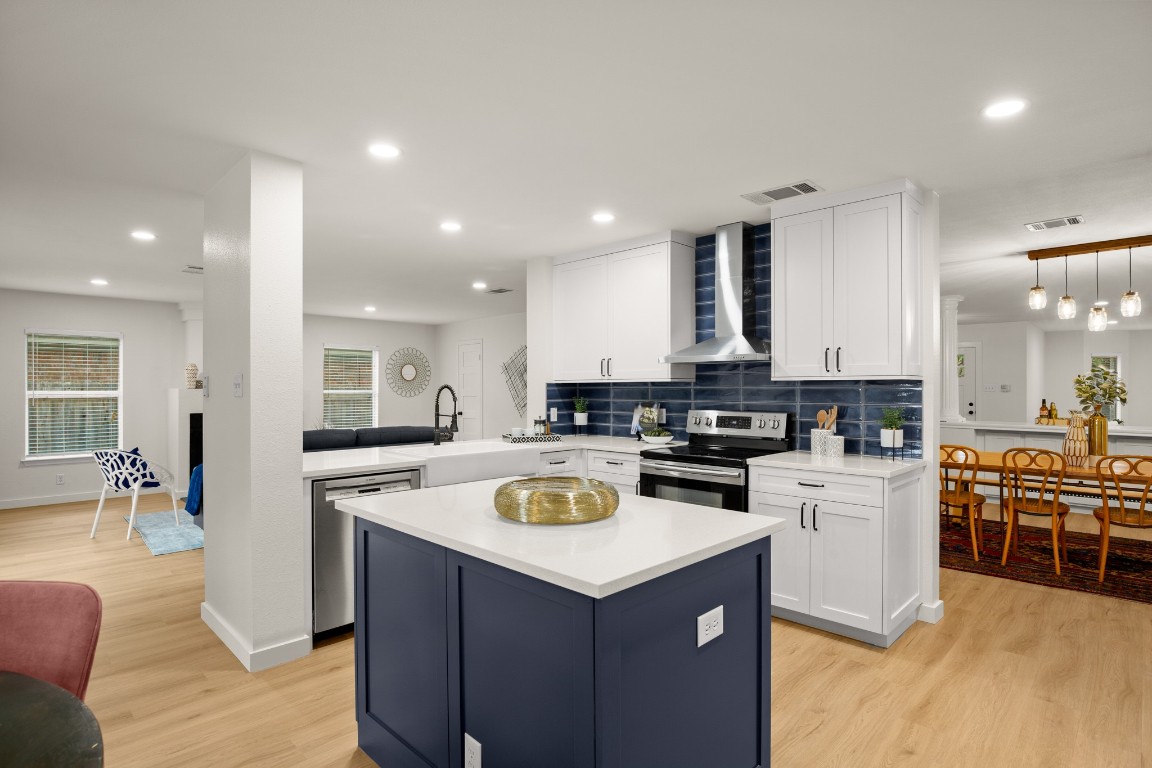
(499, 290)
(1040, 226)
(769, 196)
(192, 269)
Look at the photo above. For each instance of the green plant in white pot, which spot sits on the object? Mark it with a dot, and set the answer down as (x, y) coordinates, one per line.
(892, 428)
(580, 406)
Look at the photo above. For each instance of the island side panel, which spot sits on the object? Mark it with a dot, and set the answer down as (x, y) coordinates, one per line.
(401, 648)
(522, 653)
(664, 701)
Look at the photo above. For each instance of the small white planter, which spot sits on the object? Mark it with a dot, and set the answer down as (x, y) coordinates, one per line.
(891, 438)
(580, 419)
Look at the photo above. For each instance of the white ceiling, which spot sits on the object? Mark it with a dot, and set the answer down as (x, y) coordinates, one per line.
(521, 118)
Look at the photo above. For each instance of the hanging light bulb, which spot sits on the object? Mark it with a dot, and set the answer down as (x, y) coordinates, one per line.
(1066, 307)
(1037, 297)
(1097, 316)
(1130, 301)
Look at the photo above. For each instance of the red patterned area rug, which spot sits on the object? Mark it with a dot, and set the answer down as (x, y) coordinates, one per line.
(1129, 574)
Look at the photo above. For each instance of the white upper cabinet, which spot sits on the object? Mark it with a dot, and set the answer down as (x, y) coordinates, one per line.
(617, 313)
(846, 285)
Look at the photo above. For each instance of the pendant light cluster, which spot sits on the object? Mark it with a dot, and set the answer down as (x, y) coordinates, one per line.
(1066, 307)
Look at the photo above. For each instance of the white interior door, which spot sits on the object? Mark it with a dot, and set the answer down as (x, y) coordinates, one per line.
(968, 372)
(470, 389)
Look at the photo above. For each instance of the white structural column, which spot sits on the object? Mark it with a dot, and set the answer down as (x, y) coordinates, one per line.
(949, 348)
(256, 597)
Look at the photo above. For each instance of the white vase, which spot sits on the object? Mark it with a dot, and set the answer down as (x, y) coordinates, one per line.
(891, 438)
(580, 419)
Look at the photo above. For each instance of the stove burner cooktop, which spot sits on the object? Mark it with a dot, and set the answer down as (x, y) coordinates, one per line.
(727, 438)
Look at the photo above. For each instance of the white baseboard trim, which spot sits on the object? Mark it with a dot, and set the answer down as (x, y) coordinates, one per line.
(64, 498)
(255, 660)
(931, 612)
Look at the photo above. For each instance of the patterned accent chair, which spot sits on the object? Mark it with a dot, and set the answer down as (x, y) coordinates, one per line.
(129, 471)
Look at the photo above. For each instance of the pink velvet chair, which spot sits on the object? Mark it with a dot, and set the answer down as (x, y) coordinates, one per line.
(48, 630)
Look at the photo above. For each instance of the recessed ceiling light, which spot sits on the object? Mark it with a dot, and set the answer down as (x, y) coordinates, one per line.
(603, 217)
(369, 308)
(1005, 108)
(98, 281)
(450, 226)
(141, 234)
(1101, 303)
(385, 151)
(479, 285)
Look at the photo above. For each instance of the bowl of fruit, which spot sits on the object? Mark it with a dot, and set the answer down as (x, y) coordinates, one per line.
(656, 435)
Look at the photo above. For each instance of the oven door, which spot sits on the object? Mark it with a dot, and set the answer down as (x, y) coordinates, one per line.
(720, 487)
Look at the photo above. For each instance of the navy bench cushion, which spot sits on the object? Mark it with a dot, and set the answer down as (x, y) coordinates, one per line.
(366, 436)
(329, 439)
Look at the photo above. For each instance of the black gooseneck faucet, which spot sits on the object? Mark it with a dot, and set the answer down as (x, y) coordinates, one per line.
(453, 427)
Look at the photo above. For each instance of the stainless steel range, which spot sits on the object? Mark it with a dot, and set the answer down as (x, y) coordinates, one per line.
(713, 468)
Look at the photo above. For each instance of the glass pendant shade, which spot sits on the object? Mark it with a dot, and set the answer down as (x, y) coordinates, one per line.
(1130, 304)
(1037, 297)
(1097, 319)
(1066, 308)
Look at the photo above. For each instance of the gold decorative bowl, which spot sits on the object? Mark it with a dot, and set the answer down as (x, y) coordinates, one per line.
(556, 500)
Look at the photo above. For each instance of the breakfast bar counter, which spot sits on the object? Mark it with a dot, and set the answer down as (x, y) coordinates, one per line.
(640, 639)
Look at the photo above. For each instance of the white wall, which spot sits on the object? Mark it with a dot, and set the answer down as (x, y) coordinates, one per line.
(1004, 360)
(539, 320)
(502, 336)
(386, 337)
(1069, 354)
(153, 352)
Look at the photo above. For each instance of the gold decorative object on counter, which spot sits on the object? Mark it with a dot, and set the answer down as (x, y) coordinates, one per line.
(1075, 447)
(556, 500)
(1097, 433)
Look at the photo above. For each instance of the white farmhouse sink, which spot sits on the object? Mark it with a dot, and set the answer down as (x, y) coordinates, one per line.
(451, 463)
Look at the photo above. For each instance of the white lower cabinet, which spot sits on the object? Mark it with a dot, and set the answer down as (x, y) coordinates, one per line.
(849, 560)
(566, 463)
(621, 470)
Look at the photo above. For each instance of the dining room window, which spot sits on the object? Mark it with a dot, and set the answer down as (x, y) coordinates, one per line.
(73, 395)
(350, 386)
(1112, 364)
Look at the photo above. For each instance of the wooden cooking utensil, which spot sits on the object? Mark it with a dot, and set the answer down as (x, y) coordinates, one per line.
(832, 418)
(821, 417)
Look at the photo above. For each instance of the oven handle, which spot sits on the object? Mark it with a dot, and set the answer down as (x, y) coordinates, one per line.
(672, 469)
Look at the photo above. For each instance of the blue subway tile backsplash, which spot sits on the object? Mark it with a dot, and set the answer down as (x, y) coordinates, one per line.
(746, 386)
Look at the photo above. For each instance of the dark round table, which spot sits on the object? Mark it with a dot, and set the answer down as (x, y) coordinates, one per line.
(44, 725)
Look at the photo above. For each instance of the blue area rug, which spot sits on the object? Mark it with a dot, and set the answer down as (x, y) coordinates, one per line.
(163, 536)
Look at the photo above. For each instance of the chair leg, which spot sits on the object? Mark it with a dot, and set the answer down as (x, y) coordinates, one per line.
(99, 509)
(972, 531)
(175, 511)
(132, 517)
(1103, 551)
(1007, 535)
(1056, 544)
(980, 524)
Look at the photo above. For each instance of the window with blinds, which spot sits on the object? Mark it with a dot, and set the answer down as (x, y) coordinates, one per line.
(73, 394)
(349, 388)
(1112, 364)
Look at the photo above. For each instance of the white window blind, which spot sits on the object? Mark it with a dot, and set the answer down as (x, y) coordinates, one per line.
(1112, 363)
(73, 394)
(349, 388)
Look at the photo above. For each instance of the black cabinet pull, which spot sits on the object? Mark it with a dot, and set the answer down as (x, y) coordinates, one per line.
(802, 514)
(814, 508)
(809, 485)
(561, 461)
(609, 367)
(615, 463)
(837, 359)
(601, 366)
(826, 368)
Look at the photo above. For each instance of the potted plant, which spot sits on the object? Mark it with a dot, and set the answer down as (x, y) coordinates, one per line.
(892, 428)
(580, 406)
(1096, 389)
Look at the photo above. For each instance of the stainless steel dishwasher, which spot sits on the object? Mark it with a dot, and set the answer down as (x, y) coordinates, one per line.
(332, 532)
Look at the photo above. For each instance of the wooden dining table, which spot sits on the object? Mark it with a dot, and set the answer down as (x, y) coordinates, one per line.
(43, 724)
(1076, 479)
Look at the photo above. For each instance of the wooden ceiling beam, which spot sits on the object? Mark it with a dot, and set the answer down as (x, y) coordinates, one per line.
(1103, 245)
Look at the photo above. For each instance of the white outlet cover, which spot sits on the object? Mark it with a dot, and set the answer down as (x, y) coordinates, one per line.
(709, 626)
(989, 387)
(471, 752)
(238, 385)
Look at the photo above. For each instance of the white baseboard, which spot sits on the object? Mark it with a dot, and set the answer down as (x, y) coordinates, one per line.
(931, 612)
(64, 498)
(255, 660)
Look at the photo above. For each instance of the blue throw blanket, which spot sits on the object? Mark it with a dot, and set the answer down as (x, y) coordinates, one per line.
(195, 489)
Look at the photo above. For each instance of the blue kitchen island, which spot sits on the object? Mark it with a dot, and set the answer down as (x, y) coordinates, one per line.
(582, 645)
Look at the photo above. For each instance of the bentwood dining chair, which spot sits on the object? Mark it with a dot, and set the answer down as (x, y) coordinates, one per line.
(958, 468)
(1034, 479)
(48, 630)
(1125, 482)
(129, 471)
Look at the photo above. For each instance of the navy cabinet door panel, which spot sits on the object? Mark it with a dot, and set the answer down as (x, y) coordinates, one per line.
(401, 647)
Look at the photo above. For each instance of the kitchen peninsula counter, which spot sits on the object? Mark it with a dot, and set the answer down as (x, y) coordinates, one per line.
(575, 645)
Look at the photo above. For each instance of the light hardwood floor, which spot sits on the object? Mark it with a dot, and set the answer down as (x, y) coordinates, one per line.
(1015, 675)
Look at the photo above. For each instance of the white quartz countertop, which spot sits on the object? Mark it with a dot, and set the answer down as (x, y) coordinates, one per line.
(872, 466)
(645, 539)
(319, 464)
(1114, 429)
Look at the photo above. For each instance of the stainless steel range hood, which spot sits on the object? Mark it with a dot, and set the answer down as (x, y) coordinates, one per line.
(735, 304)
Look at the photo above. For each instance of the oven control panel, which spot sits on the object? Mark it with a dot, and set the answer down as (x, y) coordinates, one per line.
(738, 423)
